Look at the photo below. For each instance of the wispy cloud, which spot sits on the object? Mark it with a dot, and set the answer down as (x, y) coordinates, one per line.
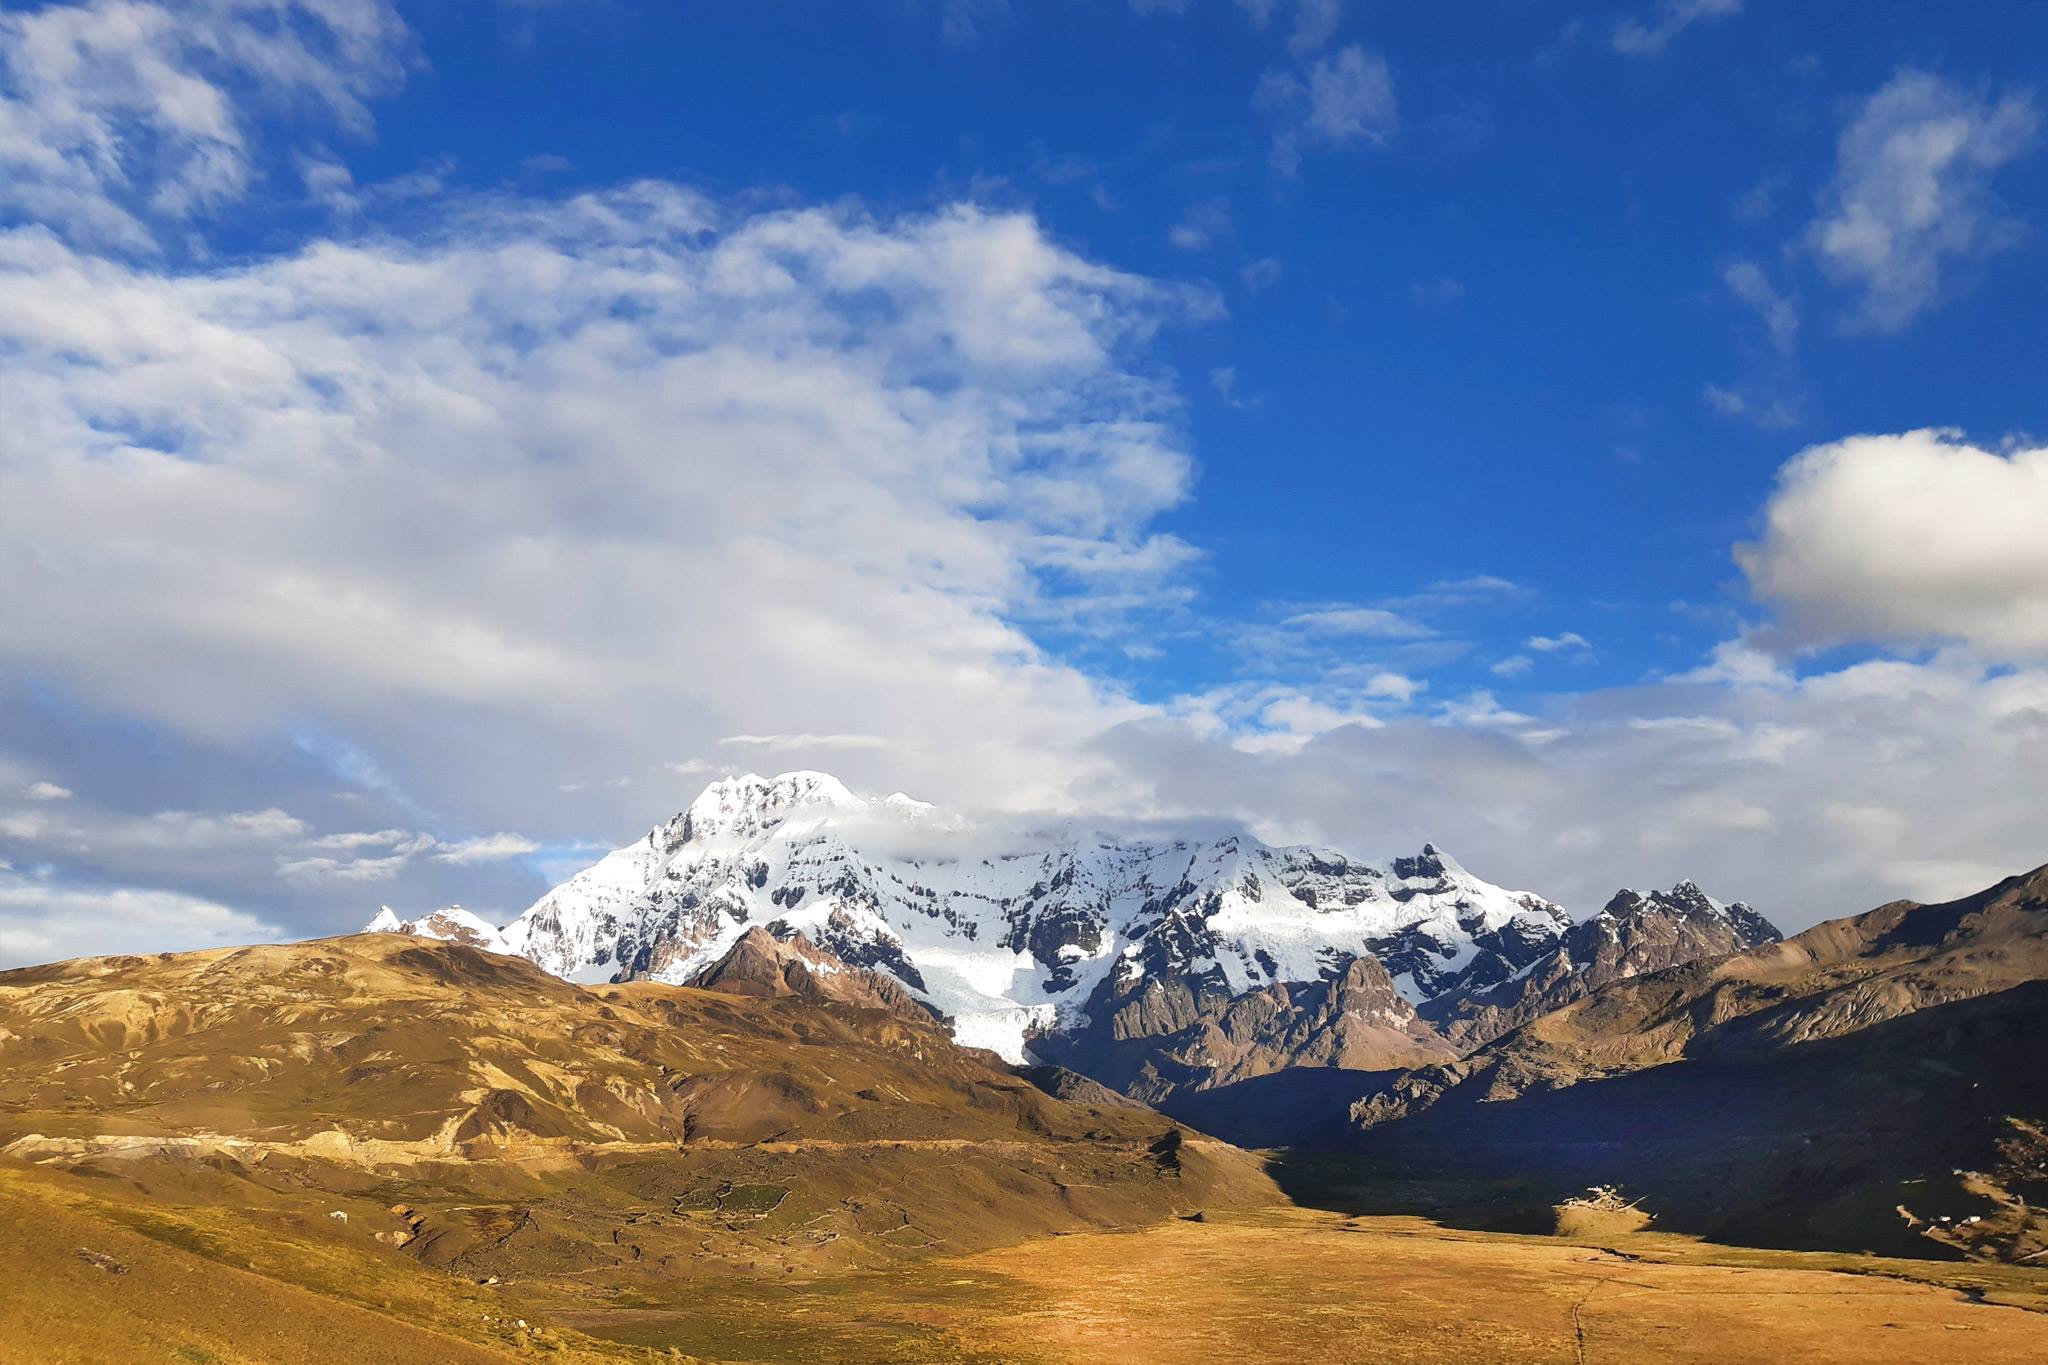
(123, 118)
(783, 743)
(1646, 38)
(487, 848)
(1911, 194)
(1350, 620)
(1343, 98)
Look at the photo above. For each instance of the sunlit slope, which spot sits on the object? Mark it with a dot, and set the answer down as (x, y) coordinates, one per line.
(538, 1128)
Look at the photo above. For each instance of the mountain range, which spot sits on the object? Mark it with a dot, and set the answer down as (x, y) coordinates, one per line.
(1875, 1081)
(1156, 966)
(807, 1076)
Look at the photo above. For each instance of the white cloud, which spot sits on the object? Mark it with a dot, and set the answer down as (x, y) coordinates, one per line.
(1351, 97)
(46, 791)
(1778, 313)
(1479, 710)
(1556, 644)
(1908, 539)
(44, 922)
(1202, 225)
(573, 482)
(1394, 686)
(784, 743)
(1476, 583)
(169, 830)
(1638, 38)
(322, 869)
(1739, 663)
(191, 829)
(486, 849)
(117, 116)
(1514, 666)
(359, 839)
(1343, 98)
(1348, 620)
(1911, 193)
(1263, 273)
(1315, 23)
(1739, 787)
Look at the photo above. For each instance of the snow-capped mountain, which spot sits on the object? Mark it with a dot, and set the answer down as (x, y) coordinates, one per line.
(452, 924)
(1012, 942)
(1636, 932)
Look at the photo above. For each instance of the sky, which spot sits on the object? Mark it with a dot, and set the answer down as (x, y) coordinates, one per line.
(440, 438)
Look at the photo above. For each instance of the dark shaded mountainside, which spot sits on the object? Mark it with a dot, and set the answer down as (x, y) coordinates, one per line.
(1182, 1040)
(1877, 1081)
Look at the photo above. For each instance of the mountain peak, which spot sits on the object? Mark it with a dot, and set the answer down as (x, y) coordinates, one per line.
(1431, 863)
(760, 963)
(749, 804)
(1686, 900)
(452, 924)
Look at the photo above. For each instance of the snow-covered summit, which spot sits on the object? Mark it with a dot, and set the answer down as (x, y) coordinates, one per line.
(746, 806)
(1019, 936)
(452, 924)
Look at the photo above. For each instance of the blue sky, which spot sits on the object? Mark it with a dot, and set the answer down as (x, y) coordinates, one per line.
(446, 434)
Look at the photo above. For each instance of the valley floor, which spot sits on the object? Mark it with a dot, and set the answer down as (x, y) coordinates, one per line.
(99, 1275)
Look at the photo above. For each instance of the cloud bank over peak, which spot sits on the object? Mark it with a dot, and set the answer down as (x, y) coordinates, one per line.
(626, 472)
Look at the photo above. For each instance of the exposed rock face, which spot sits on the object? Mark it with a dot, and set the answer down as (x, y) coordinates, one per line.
(762, 965)
(1832, 980)
(1634, 934)
(450, 925)
(1797, 1089)
(1153, 965)
(1226, 955)
(1173, 1033)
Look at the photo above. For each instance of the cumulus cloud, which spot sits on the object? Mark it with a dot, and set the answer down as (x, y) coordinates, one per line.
(1557, 644)
(1908, 539)
(1637, 37)
(1911, 194)
(118, 116)
(45, 922)
(569, 485)
(1742, 788)
(46, 791)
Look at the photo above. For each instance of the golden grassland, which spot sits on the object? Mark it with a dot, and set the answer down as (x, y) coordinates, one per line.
(224, 1284)
(371, 1149)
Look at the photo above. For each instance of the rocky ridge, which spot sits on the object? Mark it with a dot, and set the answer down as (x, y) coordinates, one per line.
(1154, 965)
